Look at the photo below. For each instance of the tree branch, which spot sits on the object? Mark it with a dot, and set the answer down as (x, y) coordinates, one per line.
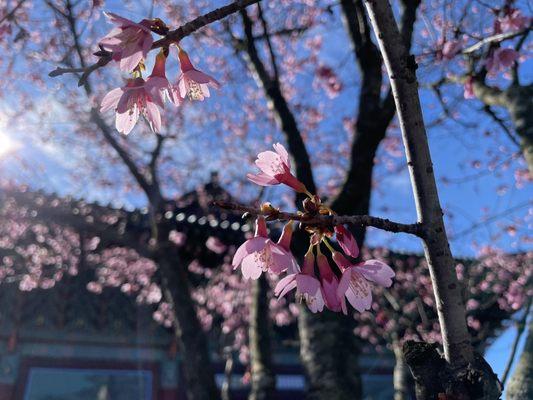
(327, 220)
(171, 37)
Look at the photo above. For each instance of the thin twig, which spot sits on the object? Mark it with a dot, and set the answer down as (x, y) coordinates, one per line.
(500, 37)
(327, 220)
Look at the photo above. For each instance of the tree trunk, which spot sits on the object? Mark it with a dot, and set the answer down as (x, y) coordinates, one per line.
(476, 381)
(401, 374)
(328, 351)
(263, 377)
(521, 383)
(195, 360)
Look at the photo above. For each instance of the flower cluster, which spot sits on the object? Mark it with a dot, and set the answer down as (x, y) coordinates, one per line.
(129, 43)
(335, 282)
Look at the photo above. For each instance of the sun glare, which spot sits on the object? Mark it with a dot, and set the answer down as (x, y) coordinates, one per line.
(6, 143)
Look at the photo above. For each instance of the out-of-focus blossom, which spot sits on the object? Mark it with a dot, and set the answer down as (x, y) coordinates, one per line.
(129, 102)
(501, 60)
(129, 42)
(450, 49)
(178, 238)
(275, 169)
(328, 80)
(513, 21)
(193, 83)
(215, 245)
(260, 254)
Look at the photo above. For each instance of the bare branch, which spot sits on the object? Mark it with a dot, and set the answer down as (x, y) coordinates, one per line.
(327, 220)
(500, 37)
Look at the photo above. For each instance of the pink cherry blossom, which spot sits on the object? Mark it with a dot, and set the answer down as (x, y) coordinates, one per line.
(131, 101)
(450, 49)
(275, 169)
(513, 21)
(130, 42)
(328, 80)
(346, 241)
(159, 86)
(330, 283)
(193, 83)
(260, 254)
(306, 284)
(501, 60)
(354, 283)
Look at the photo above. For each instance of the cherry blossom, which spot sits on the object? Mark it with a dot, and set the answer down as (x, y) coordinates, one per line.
(260, 254)
(329, 282)
(354, 284)
(275, 169)
(307, 286)
(501, 60)
(130, 42)
(159, 86)
(346, 241)
(131, 101)
(193, 83)
(513, 21)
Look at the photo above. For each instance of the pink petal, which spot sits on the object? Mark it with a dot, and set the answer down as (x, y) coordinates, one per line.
(129, 62)
(283, 154)
(359, 294)
(153, 116)
(125, 122)
(262, 179)
(250, 268)
(269, 162)
(285, 285)
(282, 259)
(308, 284)
(111, 99)
(249, 247)
(377, 271)
(329, 292)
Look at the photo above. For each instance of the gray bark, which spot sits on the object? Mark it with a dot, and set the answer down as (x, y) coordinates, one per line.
(458, 351)
(401, 374)
(521, 383)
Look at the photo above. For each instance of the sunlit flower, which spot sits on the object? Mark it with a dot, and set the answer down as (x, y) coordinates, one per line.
(354, 284)
(129, 102)
(285, 243)
(159, 86)
(129, 42)
(275, 169)
(306, 284)
(192, 83)
(260, 254)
